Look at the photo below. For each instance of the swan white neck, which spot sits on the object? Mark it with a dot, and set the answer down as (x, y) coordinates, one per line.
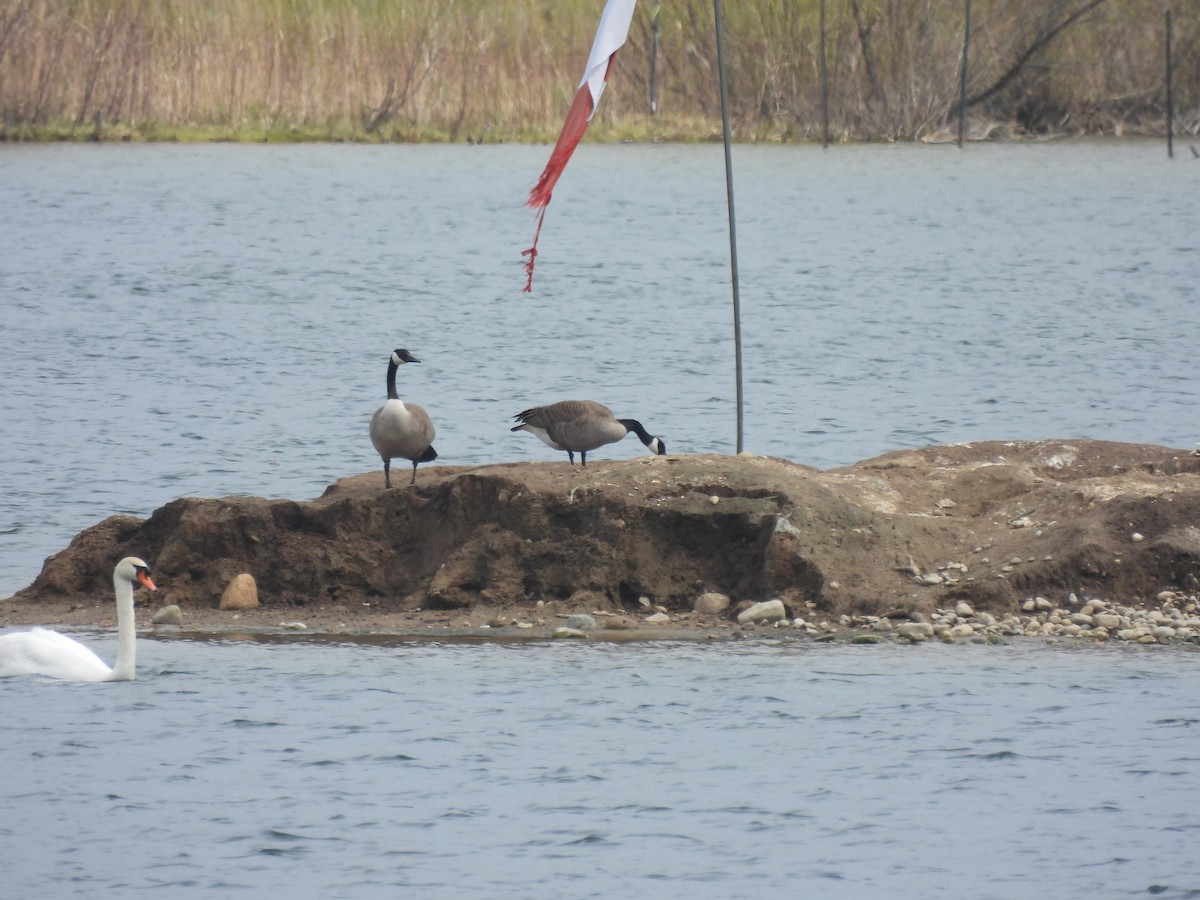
(126, 631)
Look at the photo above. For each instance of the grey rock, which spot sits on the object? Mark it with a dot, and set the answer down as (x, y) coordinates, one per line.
(168, 615)
(915, 631)
(711, 603)
(569, 633)
(580, 622)
(767, 611)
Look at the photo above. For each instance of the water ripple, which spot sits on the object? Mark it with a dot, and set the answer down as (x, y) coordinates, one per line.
(256, 309)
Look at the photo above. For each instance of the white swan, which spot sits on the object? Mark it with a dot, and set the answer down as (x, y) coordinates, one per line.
(578, 426)
(401, 429)
(42, 652)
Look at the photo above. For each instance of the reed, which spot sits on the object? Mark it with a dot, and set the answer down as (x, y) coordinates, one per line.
(487, 70)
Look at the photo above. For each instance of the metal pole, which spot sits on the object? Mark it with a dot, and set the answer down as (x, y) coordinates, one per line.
(824, 84)
(737, 312)
(962, 78)
(1170, 98)
(654, 59)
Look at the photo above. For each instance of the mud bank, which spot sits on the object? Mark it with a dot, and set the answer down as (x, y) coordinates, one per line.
(992, 524)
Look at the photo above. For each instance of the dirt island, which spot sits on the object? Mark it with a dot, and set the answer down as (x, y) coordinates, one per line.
(998, 526)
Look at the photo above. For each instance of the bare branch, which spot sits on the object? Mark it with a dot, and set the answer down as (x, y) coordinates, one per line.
(1031, 51)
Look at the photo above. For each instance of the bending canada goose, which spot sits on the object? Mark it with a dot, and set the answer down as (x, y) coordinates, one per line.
(401, 429)
(42, 652)
(580, 426)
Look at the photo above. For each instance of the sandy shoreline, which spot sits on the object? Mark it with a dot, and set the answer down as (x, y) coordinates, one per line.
(533, 623)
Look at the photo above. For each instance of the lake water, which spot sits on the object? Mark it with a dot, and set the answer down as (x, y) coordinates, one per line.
(564, 770)
(213, 320)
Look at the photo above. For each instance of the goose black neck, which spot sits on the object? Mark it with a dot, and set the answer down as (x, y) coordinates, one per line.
(392, 367)
(636, 427)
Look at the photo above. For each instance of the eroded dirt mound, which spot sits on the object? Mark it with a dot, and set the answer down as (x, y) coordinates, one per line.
(991, 522)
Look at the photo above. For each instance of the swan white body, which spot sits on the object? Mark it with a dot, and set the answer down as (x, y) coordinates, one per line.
(42, 652)
(400, 429)
(578, 426)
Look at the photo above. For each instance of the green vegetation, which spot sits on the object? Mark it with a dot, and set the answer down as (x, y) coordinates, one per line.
(504, 70)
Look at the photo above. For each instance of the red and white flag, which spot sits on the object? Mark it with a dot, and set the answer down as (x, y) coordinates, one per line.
(610, 36)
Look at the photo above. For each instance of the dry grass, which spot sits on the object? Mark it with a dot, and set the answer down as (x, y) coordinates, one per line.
(484, 70)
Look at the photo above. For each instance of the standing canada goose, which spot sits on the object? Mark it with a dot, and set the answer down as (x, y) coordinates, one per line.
(42, 652)
(582, 425)
(401, 429)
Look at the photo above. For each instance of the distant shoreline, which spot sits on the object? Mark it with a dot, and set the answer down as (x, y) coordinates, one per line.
(506, 71)
(630, 133)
